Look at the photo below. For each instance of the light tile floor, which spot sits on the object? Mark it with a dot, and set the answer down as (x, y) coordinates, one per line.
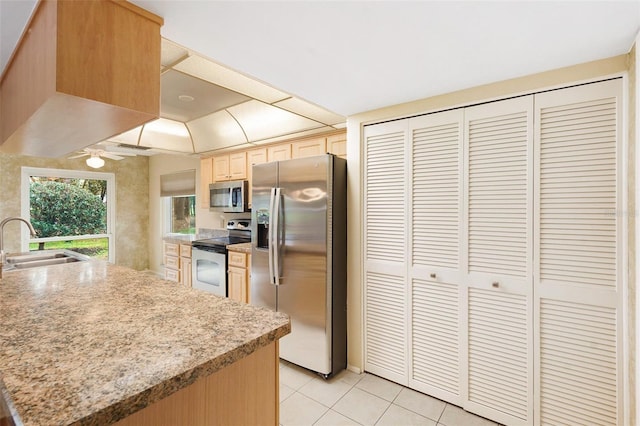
(361, 399)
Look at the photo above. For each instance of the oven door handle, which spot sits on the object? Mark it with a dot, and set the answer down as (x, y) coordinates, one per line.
(274, 237)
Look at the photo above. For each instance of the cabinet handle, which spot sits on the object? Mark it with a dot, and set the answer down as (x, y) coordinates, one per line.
(495, 284)
(432, 275)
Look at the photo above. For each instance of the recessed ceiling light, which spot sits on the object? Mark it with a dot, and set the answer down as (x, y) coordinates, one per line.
(186, 98)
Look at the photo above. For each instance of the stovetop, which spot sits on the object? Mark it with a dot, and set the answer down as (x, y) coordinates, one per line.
(239, 231)
(220, 241)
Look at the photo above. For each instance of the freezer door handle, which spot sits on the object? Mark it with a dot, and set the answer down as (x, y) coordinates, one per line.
(274, 237)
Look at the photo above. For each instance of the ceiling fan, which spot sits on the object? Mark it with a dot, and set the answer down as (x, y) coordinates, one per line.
(95, 156)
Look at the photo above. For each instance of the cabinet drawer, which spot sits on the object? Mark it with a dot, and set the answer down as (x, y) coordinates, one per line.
(171, 262)
(171, 275)
(171, 249)
(237, 259)
(185, 250)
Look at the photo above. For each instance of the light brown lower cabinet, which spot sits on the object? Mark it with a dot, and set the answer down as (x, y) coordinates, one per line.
(171, 261)
(177, 263)
(238, 276)
(243, 393)
(185, 265)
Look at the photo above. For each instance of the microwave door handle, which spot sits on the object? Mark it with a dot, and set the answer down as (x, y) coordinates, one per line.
(270, 236)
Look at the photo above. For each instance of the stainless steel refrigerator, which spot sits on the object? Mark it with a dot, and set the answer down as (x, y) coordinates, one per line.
(298, 257)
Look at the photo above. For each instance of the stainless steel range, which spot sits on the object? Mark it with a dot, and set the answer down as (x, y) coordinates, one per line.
(209, 257)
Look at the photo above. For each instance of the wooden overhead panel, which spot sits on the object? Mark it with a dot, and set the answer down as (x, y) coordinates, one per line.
(82, 72)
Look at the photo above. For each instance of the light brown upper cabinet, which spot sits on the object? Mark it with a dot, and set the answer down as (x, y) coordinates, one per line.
(337, 145)
(308, 148)
(77, 78)
(255, 156)
(230, 167)
(279, 152)
(206, 177)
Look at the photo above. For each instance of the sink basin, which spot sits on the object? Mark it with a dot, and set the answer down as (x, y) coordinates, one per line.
(38, 258)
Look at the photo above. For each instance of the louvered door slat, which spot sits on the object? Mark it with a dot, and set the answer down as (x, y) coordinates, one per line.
(571, 200)
(571, 379)
(436, 143)
(497, 179)
(384, 192)
(435, 335)
(385, 324)
(498, 346)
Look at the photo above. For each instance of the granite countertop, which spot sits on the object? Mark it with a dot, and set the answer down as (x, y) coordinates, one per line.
(241, 247)
(91, 342)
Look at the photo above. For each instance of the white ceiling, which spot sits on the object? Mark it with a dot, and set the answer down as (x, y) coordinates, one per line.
(355, 56)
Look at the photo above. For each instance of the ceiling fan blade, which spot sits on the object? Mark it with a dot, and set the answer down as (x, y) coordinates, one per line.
(111, 156)
(118, 152)
(78, 156)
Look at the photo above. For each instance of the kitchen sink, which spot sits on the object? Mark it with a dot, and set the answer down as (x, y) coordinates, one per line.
(38, 258)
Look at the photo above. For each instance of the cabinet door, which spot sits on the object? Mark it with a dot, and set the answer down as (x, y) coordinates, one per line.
(185, 271)
(238, 166)
(279, 152)
(308, 148)
(437, 331)
(248, 287)
(221, 168)
(206, 177)
(385, 217)
(238, 284)
(337, 144)
(255, 156)
(579, 292)
(499, 205)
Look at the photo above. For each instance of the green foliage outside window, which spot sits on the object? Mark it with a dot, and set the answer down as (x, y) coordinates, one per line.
(63, 209)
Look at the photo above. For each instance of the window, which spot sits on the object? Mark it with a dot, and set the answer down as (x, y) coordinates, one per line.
(178, 191)
(70, 210)
(182, 214)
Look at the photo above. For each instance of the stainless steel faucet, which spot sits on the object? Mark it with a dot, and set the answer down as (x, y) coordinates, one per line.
(3, 256)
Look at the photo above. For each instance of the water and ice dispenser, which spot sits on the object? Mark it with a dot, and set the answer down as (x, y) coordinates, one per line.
(262, 216)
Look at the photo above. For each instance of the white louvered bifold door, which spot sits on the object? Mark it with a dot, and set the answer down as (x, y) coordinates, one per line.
(498, 200)
(385, 243)
(578, 294)
(436, 233)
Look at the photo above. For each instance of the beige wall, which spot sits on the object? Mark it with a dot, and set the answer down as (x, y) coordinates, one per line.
(631, 190)
(132, 209)
(551, 79)
(634, 229)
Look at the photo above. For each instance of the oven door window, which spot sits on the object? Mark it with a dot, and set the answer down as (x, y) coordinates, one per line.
(209, 274)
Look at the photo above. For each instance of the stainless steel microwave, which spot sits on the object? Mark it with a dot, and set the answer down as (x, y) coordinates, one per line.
(229, 197)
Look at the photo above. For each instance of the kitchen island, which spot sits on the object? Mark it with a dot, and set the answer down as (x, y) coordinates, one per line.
(94, 343)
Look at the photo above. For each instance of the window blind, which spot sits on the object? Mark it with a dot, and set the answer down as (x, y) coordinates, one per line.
(178, 184)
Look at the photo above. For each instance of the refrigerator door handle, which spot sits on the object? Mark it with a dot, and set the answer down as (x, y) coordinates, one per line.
(270, 235)
(276, 231)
